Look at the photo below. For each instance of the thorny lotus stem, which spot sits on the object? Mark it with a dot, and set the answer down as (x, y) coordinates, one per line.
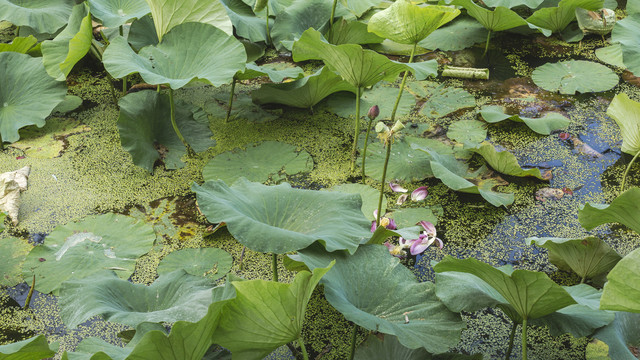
(624, 177)
(274, 266)
(190, 152)
(30, 294)
(384, 175)
(354, 333)
(404, 80)
(304, 349)
(333, 12)
(364, 151)
(524, 339)
(511, 338)
(230, 105)
(486, 45)
(355, 137)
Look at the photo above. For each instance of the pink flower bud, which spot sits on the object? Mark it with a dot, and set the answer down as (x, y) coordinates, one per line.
(374, 111)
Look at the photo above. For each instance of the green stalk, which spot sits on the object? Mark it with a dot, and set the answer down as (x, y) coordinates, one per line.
(384, 175)
(269, 41)
(233, 88)
(30, 294)
(190, 151)
(524, 339)
(355, 138)
(158, 88)
(305, 356)
(511, 338)
(1, 142)
(274, 266)
(624, 177)
(333, 12)
(486, 45)
(124, 79)
(404, 80)
(352, 350)
(364, 152)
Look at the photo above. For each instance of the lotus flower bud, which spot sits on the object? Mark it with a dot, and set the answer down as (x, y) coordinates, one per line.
(374, 111)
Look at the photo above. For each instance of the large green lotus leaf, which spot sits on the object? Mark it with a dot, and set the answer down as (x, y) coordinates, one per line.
(499, 19)
(142, 33)
(569, 77)
(405, 163)
(34, 348)
(27, 95)
(259, 162)
(300, 16)
(622, 290)
(626, 114)
(460, 34)
(77, 250)
(532, 4)
(374, 290)
(531, 294)
(168, 14)
(276, 72)
(45, 16)
(12, 254)
(558, 18)
(579, 319)
(588, 257)
(343, 104)
(189, 51)
(211, 263)
(351, 32)
(114, 13)
(302, 93)
(245, 21)
(611, 55)
(70, 46)
(468, 132)
(504, 162)
(622, 333)
(172, 297)
(146, 131)
(266, 315)
(20, 44)
(441, 100)
(369, 197)
(624, 209)
(279, 219)
(551, 121)
(625, 32)
(407, 23)
(389, 347)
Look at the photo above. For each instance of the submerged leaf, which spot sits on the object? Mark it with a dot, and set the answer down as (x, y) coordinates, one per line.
(170, 13)
(405, 163)
(624, 209)
(211, 263)
(569, 77)
(114, 13)
(42, 15)
(626, 114)
(441, 100)
(622, 290)
(504, 161)
(13, 251)
(551, 121)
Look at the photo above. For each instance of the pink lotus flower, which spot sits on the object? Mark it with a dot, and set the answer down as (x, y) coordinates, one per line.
(419, 193)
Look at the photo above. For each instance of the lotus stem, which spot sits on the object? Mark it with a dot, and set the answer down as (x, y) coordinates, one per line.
(1, 142)
(352, 349)
(274, 266)
(524, 338)
(17, 31)
(190, 152)
(404, 80)
(624, 177)
(511, 338)
(357, 133)
(233, 88)
(486, 45)
(305, 356)
(121, 30)
(269, 41)
(124, 85)
(364, 151)
(242, 257)
(158, 89)
(333, 12)
(384, 175)
(30, 294)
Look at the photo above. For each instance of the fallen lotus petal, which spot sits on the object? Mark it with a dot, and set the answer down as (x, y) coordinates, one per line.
(419, 193)
(428, 227)
(421, 244)
(397, 188)
(11, 184)
(401, 199)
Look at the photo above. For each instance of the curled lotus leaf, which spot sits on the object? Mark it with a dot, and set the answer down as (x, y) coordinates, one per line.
(626, 114)
(114, 13)
(42, 15)
(168, 14)
(569, 77)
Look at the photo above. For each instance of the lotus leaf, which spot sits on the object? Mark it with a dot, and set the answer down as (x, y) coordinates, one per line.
(70, 103)
(623, 209)
(351, 32)
(441, 100)
(258, 163)
(468, 132)
(172, 297)
(460, 34)
(626, 114)
(504, 162)
(625, 33)
(407, 23)
(142, 33)
(28, 94)
(114, 13)
(388, 347)
(145, 129)
(20, 44)
(569, 77)
(42, 15)
(471, 285)
(189, 51)
(266, 315)
(558, 18)
(405, 163)
(499, 19)
(374, 290)
(620, 335)
(280, 219)
(78, 250)
(168, 14)
(343, 104)
(274, 73)
(302, 93)
(622, 290)
(551, 121)
(93, 348)
(407, 217)
(358, 7)
(211, 263)
(34, 348)
(246, 23)
(12, 254)
(298, 17)
(48, 142)
(244, 109)
(532, 4)
(611, 55)
(369, 197)
(388, 47)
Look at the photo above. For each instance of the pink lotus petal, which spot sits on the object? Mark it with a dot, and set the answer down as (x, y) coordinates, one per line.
(392, 225)
(397, 188)
(401, 199)
(419, 246)
(373, 226)
(428, 227)
(440, 244)
(419, 193)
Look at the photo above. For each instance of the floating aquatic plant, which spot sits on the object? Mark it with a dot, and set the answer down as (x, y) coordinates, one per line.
(569, 77)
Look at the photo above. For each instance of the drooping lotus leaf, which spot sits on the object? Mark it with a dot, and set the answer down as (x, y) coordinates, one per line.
(611, 55)
(142, 33)
(19, 44)
(258, 162)
(532, 4)
(147, 134)
(504, 162)
(441, 100)
(168, 14)
(624, 209)
(622, 290)
(279, 219)
(171, 297)
(460, 34)
(471, 285)
(343, 103)
(211, 263)
(189, 51)
(407, 217)
(625, 33)
(405, 163)
(298, 17)
(351, 32)
(266, 315)
(275, 71)
(499, 19)
(245, 21)
(302, 93)
(42, 15)
(369, 197)
(374, 290)
(468, 132)
(407, 23)
(27, 95)
(569, 77)
(558, 18)
(626, 114)
(12, 254)
(114, 13)
(77, 250)
(588, 257)
(34, 348)
(72, 44)
(551, 121)
(620, 335)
